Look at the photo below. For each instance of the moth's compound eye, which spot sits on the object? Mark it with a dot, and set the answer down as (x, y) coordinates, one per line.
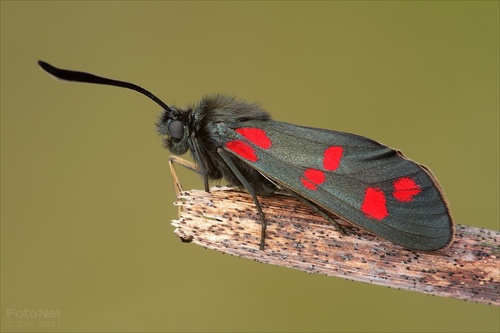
(176, 129)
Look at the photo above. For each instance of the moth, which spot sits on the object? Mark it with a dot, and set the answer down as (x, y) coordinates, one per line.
(355, 178)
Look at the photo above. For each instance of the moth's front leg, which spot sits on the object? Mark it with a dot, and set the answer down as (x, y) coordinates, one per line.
(185, 163)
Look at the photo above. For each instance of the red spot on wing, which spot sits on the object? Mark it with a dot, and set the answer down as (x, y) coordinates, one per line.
(256, 136)
(405, 189)
(332, 157)
(307, 184)
(374, 204)
(313, 177)
(242, 149)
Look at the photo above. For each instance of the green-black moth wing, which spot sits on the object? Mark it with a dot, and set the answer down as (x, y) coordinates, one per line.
(356, 178)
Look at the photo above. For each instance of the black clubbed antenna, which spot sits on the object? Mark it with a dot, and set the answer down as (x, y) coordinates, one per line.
(76, 76)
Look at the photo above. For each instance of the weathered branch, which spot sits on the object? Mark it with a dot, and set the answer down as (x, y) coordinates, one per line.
(226, 220)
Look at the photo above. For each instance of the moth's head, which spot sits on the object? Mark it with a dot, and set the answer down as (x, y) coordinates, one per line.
(172, 124)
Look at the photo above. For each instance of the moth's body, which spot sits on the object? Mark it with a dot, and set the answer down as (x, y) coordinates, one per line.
(364, 166)
(206, 125)
(353, 177)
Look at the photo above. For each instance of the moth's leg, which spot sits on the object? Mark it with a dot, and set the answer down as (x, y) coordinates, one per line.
(317, 209)
(250, 190)
(202, 169)
(185, 163)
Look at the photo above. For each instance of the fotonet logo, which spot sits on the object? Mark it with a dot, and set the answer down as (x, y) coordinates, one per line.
(41, 313)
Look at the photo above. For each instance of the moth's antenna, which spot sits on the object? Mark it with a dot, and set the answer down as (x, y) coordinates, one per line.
(76, 76)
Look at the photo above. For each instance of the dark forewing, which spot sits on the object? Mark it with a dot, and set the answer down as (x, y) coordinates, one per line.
(356, 178)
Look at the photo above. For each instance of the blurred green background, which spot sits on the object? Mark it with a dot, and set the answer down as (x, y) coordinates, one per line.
(87, 195)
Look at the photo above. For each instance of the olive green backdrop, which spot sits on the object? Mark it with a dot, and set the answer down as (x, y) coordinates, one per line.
(86, 191)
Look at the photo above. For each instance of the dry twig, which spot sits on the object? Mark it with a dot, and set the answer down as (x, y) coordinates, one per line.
(226, 220)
